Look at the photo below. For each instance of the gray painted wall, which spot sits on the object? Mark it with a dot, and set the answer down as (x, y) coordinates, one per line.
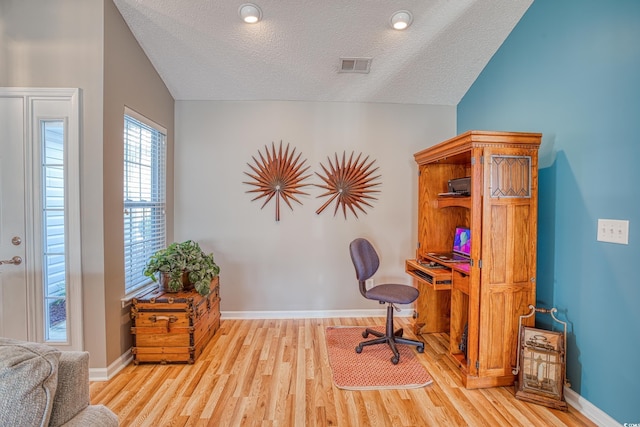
(302, 262)
(129, 80)
(86, 44)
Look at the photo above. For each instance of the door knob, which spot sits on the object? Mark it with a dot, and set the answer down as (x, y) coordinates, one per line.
(16, 260)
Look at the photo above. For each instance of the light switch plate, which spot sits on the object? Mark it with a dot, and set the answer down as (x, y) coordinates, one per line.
(613, 231)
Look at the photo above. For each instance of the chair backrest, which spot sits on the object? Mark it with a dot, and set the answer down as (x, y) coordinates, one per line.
(365, 260)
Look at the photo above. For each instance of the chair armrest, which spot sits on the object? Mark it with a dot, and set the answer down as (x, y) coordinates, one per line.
(72, 394)
(94, 415)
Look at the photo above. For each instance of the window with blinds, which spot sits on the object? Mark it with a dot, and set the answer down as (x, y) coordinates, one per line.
(144, 196)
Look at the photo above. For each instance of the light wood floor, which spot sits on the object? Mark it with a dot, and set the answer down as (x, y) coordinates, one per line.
(276, 373)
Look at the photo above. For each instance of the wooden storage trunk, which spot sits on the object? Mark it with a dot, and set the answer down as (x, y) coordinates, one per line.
(174, 327)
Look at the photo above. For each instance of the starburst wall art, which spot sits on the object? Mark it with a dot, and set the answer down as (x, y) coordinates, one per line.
(348, 183)
(278, 175)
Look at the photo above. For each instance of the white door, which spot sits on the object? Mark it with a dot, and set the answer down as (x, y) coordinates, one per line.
(40, 276)
(13, 282)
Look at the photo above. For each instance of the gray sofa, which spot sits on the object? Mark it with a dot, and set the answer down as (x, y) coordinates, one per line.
(42, 386)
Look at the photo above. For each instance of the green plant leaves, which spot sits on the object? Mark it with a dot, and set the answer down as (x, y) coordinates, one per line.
(186, 257)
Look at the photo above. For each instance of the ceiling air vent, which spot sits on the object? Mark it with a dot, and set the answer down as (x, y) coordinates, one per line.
(355, 65)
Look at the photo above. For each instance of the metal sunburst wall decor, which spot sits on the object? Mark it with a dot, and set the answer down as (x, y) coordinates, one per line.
(350, 184)
(278, 175)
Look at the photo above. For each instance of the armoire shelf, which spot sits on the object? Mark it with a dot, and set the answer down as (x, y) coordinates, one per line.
(481, 306)
(445, 202)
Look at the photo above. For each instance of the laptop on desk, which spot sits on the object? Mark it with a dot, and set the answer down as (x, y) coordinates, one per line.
(461, 248)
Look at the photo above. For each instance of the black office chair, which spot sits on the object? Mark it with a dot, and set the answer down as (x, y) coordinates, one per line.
(366, 261)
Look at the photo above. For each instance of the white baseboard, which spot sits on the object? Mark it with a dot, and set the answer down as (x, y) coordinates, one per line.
(588, 409)
(310, 314)
(105, 374)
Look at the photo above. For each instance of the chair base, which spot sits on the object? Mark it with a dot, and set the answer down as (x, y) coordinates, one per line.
(389, 337)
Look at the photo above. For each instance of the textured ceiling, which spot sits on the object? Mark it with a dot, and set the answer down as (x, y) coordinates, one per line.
(203, 51)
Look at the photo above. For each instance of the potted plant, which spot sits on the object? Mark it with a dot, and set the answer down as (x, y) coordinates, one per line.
(180, 264)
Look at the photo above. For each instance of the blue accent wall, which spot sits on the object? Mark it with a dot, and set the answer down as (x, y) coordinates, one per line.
(571, 70)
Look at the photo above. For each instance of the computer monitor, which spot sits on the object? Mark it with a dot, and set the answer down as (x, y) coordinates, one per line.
(462, 241)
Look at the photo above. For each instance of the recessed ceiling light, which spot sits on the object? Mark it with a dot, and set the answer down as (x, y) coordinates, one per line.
(250, 13)
(401, 20)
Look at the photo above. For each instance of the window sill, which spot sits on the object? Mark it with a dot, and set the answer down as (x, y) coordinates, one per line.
(138, 293)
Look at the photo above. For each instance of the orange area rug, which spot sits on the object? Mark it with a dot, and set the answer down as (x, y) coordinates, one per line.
(372, 369)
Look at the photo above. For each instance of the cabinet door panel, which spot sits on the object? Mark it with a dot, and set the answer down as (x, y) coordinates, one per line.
(509, 223)
(493, 335)
(495, 245)
(509, 250)
(499, 326)
(508, 255)
(523, 252)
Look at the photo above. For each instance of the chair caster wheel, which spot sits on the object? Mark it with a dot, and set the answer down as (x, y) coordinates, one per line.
(399, 333)
(365, 334)
(395, 360)
(359, 349)
(420, 349)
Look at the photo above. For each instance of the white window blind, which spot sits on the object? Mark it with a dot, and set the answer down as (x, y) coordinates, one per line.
(144, 197)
